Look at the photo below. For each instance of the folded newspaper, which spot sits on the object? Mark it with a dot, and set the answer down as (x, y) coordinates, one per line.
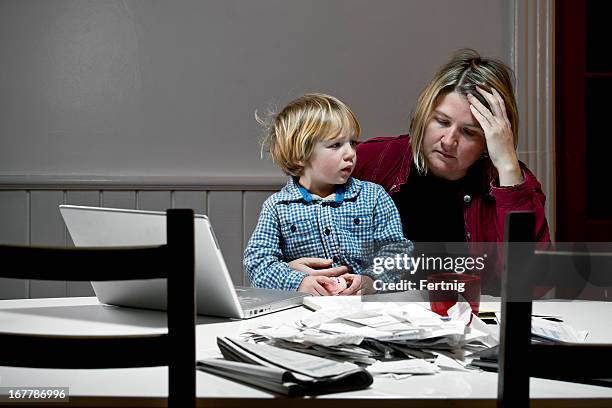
(284, 371)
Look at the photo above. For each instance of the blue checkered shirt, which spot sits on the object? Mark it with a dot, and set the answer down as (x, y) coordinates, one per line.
(351, 229)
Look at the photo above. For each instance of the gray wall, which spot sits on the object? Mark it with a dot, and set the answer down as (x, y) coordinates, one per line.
(150, 104)
(171, 87)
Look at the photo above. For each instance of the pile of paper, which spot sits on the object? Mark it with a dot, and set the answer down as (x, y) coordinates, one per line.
(384, 336)
(392, 339)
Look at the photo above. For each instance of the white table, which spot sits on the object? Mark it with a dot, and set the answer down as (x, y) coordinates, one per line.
(148, 386)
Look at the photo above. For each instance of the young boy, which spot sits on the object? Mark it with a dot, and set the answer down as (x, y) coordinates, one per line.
(322, 212)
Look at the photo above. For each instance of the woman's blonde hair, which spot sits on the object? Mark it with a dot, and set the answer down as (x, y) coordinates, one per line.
(292, 134)
(466, 70)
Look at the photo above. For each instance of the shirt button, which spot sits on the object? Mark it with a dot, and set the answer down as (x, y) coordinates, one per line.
(356, 221)
(327, 231)
(336, 259)
(468, 235)
(467, 199)
(293, 228)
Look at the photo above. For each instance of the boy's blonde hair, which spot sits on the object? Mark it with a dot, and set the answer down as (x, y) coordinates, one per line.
(293, 133)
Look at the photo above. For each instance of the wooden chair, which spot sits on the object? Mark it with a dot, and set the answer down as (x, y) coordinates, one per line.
(519, 359)
(176, 349)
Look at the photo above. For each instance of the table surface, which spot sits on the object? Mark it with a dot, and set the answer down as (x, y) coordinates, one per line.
(86, 316)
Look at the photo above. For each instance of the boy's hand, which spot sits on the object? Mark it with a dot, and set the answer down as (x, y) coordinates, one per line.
(318, 267)
(335, 285)
(315, 285)
(357, 285)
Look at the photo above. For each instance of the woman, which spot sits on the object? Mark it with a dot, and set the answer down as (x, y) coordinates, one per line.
(456, 175)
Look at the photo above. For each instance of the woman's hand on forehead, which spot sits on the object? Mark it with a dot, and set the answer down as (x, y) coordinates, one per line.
(499, 136)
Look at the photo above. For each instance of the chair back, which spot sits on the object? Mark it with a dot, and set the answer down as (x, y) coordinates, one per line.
(174, 261)
(526, 266)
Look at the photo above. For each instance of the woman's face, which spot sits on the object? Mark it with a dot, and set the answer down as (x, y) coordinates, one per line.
(453, 138)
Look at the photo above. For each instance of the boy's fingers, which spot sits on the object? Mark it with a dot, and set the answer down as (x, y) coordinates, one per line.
(354, 286)
(320, 290)
(322, 279)
(349, 291)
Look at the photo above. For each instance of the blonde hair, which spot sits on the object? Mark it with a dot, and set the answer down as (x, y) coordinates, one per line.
(292, 134)
(466, 70)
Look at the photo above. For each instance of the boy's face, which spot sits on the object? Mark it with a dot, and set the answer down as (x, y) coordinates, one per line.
(332, 162)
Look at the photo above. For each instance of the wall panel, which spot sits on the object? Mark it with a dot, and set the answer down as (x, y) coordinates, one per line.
(154, 200)
(118, 199)
(197, 200)
(14, 229)
(47, 228)
(81, 197)
(225, 212)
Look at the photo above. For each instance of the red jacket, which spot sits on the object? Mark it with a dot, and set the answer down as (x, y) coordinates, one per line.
(387, 161)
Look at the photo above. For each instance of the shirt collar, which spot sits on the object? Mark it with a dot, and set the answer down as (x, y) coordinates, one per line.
(293, 191)
(338, 195)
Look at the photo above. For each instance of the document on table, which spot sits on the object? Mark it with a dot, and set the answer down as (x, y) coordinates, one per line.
(306, 364)
(406, 366)
(556, 331)
(284, 371)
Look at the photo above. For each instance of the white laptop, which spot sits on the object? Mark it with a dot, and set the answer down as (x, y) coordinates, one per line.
(215, 292)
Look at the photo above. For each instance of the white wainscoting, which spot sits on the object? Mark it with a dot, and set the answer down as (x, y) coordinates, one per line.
(29, 215)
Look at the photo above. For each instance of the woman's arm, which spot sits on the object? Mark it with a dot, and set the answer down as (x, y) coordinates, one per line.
(318, 267)
(526, 196)
(518, 189)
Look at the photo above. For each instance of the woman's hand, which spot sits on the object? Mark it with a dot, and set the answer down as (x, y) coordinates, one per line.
(318, 267)
(357, 285)
(498, 136)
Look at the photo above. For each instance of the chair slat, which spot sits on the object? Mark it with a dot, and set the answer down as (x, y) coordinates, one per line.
(83, 352)
(83, 264)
